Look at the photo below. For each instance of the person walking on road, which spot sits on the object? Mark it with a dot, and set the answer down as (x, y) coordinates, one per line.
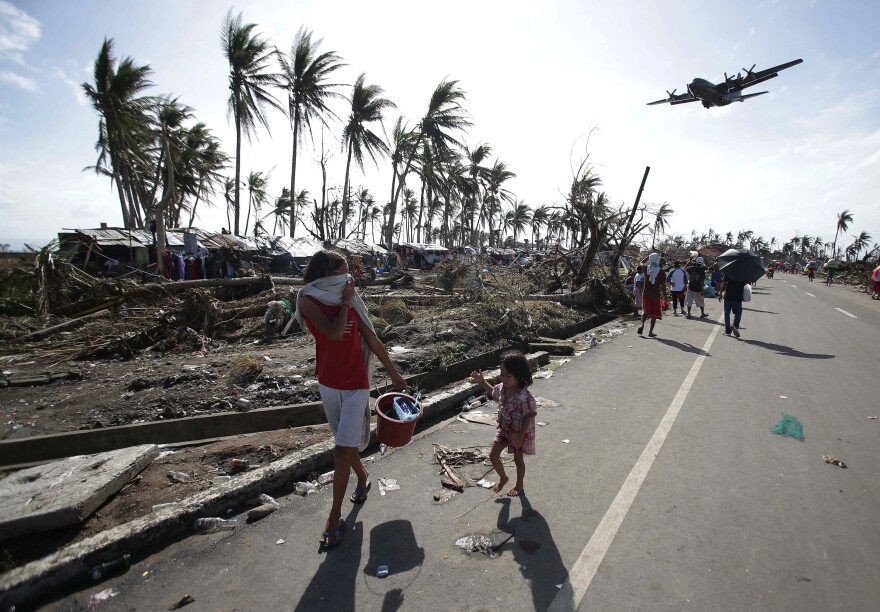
(696, 277)
(330, 308)
(655, 289)
(679, 281)
(638, 287)
(733, 302)
(875, 276)
(516, 417)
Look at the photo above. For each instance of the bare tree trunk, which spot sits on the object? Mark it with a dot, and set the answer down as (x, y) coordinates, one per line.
(293, 173)
(237, 172)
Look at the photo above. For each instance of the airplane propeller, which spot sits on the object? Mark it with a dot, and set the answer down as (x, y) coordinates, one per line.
(749, 72)
(671, 93)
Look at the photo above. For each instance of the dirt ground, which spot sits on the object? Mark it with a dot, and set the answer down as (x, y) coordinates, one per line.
(154, 386)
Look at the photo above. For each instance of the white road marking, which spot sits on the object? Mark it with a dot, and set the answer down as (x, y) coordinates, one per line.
(584, 570)
(810, 294)
(846, 313)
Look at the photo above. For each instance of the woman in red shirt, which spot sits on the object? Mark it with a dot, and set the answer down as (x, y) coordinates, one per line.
(345, 340)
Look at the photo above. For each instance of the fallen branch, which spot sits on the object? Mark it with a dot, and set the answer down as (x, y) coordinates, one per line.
(67, 325)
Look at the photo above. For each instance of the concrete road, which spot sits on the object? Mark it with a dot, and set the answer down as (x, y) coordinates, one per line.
(656, 486)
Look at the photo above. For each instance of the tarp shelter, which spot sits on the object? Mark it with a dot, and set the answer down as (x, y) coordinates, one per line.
(422, 255)
(712, 250)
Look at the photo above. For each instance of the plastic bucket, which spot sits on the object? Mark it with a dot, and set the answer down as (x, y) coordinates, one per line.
(389, 430)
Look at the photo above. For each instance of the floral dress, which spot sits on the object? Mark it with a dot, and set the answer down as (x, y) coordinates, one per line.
(512, 411)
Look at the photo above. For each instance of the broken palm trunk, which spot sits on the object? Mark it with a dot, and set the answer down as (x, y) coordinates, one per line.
(591, 294)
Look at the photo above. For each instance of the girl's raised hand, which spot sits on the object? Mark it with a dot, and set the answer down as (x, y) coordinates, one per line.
(477, 375)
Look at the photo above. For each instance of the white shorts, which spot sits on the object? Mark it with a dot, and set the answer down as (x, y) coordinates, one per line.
(694, 297)
(346, 411)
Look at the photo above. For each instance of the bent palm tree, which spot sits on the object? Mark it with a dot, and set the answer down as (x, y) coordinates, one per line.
(249, 57)
(520, 218)
(304, 74)
(844, 218)
(660, 223)
(367, 105)
(444, 116)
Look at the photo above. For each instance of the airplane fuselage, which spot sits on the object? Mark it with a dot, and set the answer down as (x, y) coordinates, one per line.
(711, 94)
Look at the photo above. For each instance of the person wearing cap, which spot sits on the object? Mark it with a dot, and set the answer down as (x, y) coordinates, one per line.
(696, 277)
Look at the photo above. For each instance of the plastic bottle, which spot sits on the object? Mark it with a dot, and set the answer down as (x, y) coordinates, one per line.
(268, 499)
(111, 567)
(240, 464)
(178, 476)
(157, 507)
(212, 524)
(221, 479)
(305, 488)
(325, 478)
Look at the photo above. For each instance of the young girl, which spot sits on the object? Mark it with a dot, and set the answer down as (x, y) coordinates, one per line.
(516, 417)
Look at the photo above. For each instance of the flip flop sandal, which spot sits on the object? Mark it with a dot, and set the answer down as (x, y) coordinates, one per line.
(338, 533)
(360, 495)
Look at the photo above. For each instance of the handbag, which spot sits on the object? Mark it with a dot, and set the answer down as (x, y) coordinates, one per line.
(747, 293)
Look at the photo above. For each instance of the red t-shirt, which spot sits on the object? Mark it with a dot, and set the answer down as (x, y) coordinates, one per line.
(339, 364)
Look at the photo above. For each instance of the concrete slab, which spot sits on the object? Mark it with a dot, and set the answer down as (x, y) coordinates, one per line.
(65, 492)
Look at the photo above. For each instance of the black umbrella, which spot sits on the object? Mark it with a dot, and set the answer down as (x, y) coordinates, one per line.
(741, 265)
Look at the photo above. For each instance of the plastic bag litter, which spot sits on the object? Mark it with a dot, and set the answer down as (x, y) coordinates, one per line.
(788, 426)
(388, 484)
(486, 484)
(542, 374)
(102, 596)
(830, 459)
(476, 543)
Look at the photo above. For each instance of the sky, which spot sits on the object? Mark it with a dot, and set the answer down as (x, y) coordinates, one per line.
(539, 77)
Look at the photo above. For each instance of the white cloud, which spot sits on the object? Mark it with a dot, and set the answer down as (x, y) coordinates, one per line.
(18, 31)
(75, 88)
(22, 82)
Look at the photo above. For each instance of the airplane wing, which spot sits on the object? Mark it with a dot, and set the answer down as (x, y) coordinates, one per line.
(676, 99)
(747, 96)
(753, 78)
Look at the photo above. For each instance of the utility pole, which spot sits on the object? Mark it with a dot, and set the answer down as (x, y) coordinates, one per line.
(632, 215)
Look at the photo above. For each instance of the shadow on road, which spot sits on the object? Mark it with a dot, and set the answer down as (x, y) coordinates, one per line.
(763, 311)
(393, 544)
(687, 348)
(333, 585)
(781, 349)
(534, 550)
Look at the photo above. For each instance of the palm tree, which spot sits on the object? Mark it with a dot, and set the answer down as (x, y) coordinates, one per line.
(249, 83)
(660, 222)
(256, 186)
(806, 244)
(304, 75)
(117, 96)
(728, 238)
(367, 105)
(496, 193)
(444, 116)
(520, 218)
(540, 218)
(844, 218)
(862, 241)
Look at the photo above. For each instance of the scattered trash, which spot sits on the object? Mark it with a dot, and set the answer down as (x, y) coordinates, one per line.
(541, 424)
(280, 541)
(783, 397)
(305, 488)
(544, 402)
(102, 596)
(478, 416)
(474, 325)
(476, 543)
(261, 511)
(266, 358)
(268, 499)
(109, 568)
(183, 601)
(178, 476)
(240, 464)
(221, 479)
(325, 478)
(388, 484)
(383, 448)
(563, 361)
(872, 418)
(165, 506)
(830, 459)
(382, 571)
(566, 441)
(442, 496)
(788, 426)
(486, 484)
(558, 586)
(465, 405)
(243, 403)
(212, 524)
(542, 374)
(593, 342)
